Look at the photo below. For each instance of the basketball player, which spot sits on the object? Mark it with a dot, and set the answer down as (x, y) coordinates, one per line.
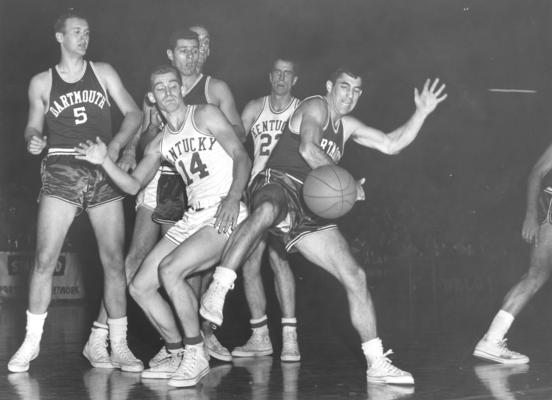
(204, 45)
(537, 231)
(72, 99)
(163, 201)
(200, 142)
(265, 119)
(316, 135)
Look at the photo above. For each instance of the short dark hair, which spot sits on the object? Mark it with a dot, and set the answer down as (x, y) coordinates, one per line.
(182, 34)
(164, 69)
(345, 69)
(286, 59)
(59, 25)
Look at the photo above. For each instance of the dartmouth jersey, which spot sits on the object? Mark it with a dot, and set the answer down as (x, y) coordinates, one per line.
(202, 162)
(286, 157)
(77, 111)
(266, 131)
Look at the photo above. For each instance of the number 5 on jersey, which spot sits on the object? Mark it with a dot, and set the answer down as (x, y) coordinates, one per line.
(80, 115)
(196, 168)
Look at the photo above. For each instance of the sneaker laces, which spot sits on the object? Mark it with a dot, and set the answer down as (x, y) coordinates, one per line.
(503, 346)
(120, 348)
(189, 361)
(384, 363)
(161, 355)
(98, 344)
(26, 350)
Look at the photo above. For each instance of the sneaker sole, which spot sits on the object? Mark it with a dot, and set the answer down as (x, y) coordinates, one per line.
(489, 357)
(188, 382)
(156, 375)
(290, 358)
(251, 354)
(16, 369)
(218, 356)
(128, 368)
(396, 380)
(96, 364)
(214, 319)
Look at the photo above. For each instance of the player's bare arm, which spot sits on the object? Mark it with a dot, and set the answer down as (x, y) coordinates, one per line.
(38, 101)
(149, 128)
(530, 228)
(425, 100)
(220, 92)
(213, 121)
(131, 113)
(97, 153)
(313, 114)
(250, 114)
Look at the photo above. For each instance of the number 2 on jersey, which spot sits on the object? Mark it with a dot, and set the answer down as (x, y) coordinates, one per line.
(266, 141)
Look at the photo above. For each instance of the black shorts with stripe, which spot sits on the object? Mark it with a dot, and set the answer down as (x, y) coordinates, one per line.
(299, 221)
(76, 181)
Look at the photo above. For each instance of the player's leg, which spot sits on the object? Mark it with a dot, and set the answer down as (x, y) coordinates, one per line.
(198, 252)
(259, 343)
(285, 291)
(54, 219)
(328, 249)
(492, 346)
(145, 235)
(107, 220)
(269, 206)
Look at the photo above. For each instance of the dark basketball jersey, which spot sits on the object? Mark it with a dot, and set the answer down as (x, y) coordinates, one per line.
(77, 111)
(196, 95)
(286, 157)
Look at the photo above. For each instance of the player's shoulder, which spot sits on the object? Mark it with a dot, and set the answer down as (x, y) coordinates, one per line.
(255, 105)
(206, 110)
(315, 105)
(104, 70)
(41, 82)
(218, 86)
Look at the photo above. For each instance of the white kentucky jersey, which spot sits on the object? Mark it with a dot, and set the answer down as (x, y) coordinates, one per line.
(266, 131)
(204, 165)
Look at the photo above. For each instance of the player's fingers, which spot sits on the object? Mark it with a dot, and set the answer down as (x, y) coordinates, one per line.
(434, 84)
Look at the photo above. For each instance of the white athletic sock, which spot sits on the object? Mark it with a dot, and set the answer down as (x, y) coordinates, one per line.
(289, 324)
(500, 326)
(225, 276)
(117, 328)
(259, 325)
(35, 324)
(372, 349)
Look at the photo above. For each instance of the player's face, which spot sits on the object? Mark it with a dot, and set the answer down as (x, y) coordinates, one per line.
(166, 91)
(282, 77)
(344, 93)
(204, 43)
(75, 37)
(185, 56)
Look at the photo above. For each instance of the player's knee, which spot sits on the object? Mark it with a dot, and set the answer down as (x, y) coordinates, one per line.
(354, 278)
(138, 289)
(266, 212)
(166, 273)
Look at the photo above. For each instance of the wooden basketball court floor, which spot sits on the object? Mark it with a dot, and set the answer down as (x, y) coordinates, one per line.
(432, 338)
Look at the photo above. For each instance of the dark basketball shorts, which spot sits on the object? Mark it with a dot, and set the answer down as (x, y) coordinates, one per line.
(75, 181)
(545, 206)
(171, 198)
(299, 221)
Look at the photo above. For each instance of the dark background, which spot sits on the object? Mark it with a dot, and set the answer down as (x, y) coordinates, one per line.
(458, 189)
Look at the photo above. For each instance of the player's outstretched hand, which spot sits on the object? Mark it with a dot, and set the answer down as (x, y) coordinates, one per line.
(431, 95)
(530, 230)
(94, 153)
(360, 190)
(36, 144)
(227, 215)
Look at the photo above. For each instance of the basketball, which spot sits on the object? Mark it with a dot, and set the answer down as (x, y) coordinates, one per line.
(330, 191)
